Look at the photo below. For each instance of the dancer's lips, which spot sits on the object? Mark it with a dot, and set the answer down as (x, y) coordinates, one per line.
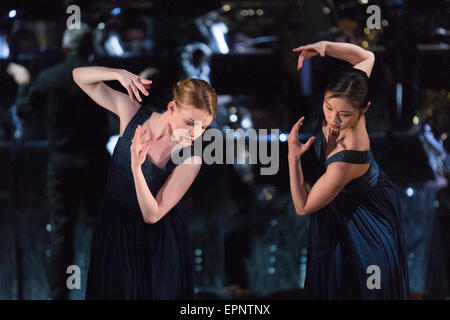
(333, 126)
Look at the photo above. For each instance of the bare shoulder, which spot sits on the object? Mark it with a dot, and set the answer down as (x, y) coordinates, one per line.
(126, 115)
(344, 172)
(359, 141)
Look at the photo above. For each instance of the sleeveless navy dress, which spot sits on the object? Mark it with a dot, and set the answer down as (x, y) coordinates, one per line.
(130, 259)
(361, 227)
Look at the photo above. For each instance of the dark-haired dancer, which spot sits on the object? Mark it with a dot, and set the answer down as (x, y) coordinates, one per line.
(356, 245)
(140, 246)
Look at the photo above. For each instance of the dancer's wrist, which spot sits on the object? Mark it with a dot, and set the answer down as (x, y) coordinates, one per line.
(136, 168)
(294, 157)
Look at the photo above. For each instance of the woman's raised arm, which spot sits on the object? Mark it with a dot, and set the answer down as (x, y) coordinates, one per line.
(360, 58)
(90, 80)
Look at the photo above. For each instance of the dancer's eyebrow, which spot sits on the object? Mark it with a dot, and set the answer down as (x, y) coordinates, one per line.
(204, 127)
(339, 111)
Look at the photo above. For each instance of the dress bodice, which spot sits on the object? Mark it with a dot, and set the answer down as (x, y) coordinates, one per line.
(120, 182)
(358, 185)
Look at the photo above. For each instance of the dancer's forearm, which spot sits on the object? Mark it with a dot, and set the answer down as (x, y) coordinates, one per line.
(146, 200)
(94, 74)
(351, 53)
(297, 184)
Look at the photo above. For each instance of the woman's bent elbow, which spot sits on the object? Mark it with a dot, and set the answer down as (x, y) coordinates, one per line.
(74, 74)
(149, 219)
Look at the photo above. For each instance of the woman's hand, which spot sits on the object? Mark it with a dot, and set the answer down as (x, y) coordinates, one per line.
(140, 145)
(133, 83)
(297, 149)
(20, 73)
(309, 51)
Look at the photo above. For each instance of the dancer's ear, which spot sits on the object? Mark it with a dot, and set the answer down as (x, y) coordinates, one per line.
(171, 107)
(367, 107)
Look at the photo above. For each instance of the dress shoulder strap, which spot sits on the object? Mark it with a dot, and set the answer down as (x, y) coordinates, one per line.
(350, 156)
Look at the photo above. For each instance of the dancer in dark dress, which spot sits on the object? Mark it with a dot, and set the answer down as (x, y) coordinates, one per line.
(140, 246)
(356, 244)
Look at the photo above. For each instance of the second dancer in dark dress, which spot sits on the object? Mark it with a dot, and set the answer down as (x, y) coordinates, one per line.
(356, 246)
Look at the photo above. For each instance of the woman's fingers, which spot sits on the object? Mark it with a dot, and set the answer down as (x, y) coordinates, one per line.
(136, 92)
(130, 93)
(140, 86)
(299, 48)
(294, 131)
(301, 57)
(309, 142)
(135, 135)
(146, 81)
(143, 136)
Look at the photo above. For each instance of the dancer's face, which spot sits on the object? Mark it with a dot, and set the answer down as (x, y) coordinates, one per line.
(188, 123)
(339, 113)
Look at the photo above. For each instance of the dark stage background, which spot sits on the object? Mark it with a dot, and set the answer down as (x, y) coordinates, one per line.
(247, 240)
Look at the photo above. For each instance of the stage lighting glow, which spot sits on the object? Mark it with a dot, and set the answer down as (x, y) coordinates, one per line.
(416, 120)
(226, 7)
(233, 110)
(398, 98)
(12, 13)
(111, 144)
(219, 30)
(4, 48)
(101, 26)
(115, 11)
(409, 192)
(233, 117)
(271, 270)
(283, 137)
(198, 252)
(113, 46)
(273, 222)
(246, 123)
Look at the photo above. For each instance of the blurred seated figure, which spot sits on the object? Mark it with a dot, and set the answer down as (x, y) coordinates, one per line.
(77, 131)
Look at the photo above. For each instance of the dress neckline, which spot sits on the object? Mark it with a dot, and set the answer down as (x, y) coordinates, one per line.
(138, 119)
(361, 154)
(147, 158)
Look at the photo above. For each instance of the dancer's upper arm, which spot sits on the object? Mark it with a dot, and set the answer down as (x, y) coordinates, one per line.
(91, 81)
(113, 100)
(367, 64)
(336, 177)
